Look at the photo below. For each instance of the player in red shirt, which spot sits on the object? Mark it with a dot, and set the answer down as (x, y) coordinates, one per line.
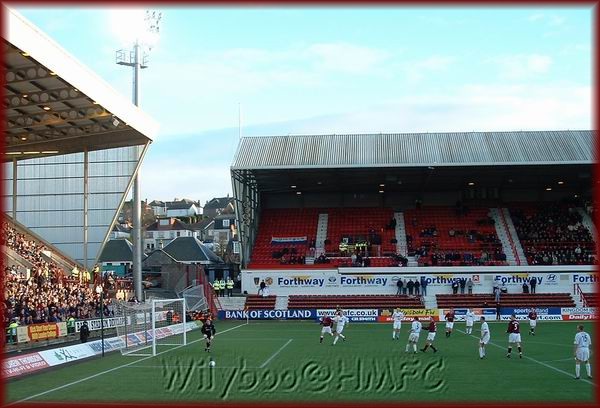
(514, 336)
(449, 322)
(327, 324)
(430, 335)
(532, 321)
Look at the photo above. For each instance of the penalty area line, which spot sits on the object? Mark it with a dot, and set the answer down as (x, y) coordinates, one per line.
(111, 370)
(263, 365)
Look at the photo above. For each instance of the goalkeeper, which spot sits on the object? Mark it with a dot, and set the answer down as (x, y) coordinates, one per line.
(208, 330)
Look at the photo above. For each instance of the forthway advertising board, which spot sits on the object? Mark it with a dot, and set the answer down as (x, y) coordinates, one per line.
(333, 282)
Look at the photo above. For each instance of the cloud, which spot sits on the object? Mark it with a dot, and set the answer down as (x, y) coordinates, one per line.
(416, 71)
(198, 165)
(479, 107)
(551, 20)
(520, 66)
(168, 179)
(536, 17)
(345, 57)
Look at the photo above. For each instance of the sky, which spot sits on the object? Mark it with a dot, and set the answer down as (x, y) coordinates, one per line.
(332, 70)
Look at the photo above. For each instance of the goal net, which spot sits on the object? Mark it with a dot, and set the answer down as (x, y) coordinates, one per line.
(151, 327)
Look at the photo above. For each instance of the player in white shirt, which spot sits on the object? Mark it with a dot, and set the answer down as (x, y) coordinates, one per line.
(397, 316)
(413, 337)
(470, 319)
(582, 351)
(484, 338)
(340, 322)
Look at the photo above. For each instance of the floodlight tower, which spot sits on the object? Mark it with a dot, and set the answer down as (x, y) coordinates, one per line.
(138, 59)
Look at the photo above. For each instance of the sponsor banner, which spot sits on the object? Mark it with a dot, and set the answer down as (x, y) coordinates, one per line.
(354, 315)
(517, 279)
(263, 314)
(446, 279)
(585, 278)
(112, 322)
(333, 282)
(459, 313)
(66, 354)
(525, 311)
(288, 240)
(41, 331)
(579, 313)
(578, 310)
(95, 324)
(385, 315)
(19, 365)
(540, 317)
(576, 316)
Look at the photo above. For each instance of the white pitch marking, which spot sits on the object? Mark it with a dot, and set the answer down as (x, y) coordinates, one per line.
(537, 361)
(111, 370)
(263, 365)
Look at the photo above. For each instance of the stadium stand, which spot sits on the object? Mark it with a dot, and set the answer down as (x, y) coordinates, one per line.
(459, 236)
(284, 223)
(553, 234)
(352, 225)
(353, 301)
(445, 301)
(436, 236)
(360, 225)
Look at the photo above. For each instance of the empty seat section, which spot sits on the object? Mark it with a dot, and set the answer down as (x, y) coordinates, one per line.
(445, 301)
(260, 302)
(353, 301)
(284, 223)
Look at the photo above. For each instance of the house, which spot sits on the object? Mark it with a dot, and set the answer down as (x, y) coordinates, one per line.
(189, 250)
(159, 208)
(117, 256)
(160, 233)
(120, 231)
(179, 264)
(222, 229)
(202, 227)
(218, 206)
(184, 208)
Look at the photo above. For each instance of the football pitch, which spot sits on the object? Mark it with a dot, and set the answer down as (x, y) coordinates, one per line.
(283, 361)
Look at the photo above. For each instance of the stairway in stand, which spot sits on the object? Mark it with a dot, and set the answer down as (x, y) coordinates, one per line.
(588, 222)
(281, 303)
(321, 234)
(513, 235)
(401, 245)
(504, 237)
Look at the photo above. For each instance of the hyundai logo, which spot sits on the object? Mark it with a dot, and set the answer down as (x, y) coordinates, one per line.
(551, 278)
(332, 279)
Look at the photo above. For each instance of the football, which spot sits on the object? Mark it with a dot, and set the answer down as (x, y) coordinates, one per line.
(211, 363)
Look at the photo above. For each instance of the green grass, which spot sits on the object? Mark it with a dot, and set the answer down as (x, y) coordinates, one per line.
(283, 361)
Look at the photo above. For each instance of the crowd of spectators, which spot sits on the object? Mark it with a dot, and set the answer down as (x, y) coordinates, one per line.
(43, 293)
(554, 235)
(454, 258)
(41, 299)
(290, 256)
(486, 247)
(31, 251)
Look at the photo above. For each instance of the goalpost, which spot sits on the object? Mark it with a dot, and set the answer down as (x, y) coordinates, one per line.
(146, 326)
